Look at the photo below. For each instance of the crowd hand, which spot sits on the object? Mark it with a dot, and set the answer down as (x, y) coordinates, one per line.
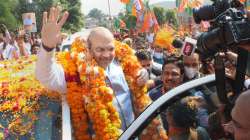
(142, 77)
(3, 28)
(20, 41)
(20, 33)
(51, 29)
(230, 72)
(232, 56)
(20, 37)
(199, 101)
(224, 122)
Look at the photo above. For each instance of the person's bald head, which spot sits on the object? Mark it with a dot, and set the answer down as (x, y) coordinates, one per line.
(101, 45)
(99, 34)
(241, 112)
(240, 124)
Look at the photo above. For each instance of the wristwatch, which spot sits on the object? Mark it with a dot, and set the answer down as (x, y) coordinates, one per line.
(47, 48)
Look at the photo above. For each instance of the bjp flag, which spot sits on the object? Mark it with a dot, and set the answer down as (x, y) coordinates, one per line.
(125, 1)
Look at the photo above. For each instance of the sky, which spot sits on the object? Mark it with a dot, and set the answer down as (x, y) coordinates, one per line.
(115, 6)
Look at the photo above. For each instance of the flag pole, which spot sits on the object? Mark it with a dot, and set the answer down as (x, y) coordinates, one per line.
(110, 17)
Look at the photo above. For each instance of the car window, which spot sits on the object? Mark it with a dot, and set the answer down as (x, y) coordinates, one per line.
(66, 47)
(204, 97)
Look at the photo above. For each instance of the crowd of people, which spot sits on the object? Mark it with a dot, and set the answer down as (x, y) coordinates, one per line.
(187, 119)
(14, 45)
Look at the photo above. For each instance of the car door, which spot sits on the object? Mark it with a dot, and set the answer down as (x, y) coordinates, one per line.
(158, 106)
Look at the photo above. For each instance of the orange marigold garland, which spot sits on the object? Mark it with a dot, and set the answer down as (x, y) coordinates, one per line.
(92, 95)
(74, 95)
(88, 92)
(141, 100)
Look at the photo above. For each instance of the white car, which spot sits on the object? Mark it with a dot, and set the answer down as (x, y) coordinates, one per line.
(157, 107)
(66, 43)
(53, 128)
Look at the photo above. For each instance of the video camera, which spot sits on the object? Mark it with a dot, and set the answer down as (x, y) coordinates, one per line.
(229, 27)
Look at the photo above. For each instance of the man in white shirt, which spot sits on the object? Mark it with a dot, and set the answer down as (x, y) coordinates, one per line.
(27, 44)
(7, 48)
(8, 51)
(101, 45)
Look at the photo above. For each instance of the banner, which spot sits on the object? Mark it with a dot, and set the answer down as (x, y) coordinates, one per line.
(29, 22)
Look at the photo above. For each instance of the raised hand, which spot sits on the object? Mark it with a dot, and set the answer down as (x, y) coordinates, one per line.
(20, 32)
(51, 29)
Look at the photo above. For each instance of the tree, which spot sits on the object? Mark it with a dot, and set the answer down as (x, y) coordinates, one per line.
(74, 21)
(159, 14)
(6, 15)
(171, 17)
(37, 6)
(130, 21)
(103, 19)
(96, 13)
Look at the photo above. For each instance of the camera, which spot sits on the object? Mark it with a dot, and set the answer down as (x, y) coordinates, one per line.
(230, 27)
(209, 12)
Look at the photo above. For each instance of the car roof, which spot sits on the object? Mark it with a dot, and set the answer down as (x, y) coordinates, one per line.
(82, 34)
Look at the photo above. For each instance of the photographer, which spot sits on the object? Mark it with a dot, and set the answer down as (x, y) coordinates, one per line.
(239, 126)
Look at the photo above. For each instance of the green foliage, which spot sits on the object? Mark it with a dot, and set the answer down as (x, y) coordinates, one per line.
(159, 14)
(171, 17)
(12, 10)
(75, 20)
(103, 19)
(6, 13)
(96, 13)
(130, 21)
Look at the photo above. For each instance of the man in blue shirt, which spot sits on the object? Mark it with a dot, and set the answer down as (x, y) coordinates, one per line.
(172, 76)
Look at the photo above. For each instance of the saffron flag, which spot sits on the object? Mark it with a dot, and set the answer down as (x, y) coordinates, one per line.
(125, 1)
(182, 6)
(156, 25)
(138, 5)
(164, 38)
(195, 3)
(129, 6)
(147, 21)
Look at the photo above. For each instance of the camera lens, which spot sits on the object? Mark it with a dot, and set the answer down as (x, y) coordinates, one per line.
(203, 13)
(207, 43)
(209, 12)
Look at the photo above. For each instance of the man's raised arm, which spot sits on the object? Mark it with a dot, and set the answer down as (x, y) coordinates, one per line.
(47, 71)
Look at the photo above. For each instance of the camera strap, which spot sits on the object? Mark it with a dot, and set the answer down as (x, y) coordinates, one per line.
(240, 70)
(220, 79)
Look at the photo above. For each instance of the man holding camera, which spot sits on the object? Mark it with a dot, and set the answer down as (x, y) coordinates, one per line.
(239, 126)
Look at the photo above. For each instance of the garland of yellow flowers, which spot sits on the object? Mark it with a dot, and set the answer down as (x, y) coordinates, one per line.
(19, 94)
(91, 100)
